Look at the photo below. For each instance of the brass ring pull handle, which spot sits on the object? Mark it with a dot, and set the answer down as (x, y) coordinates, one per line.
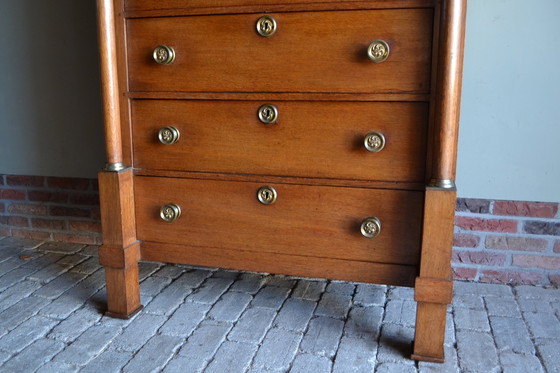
(267, 195)
(170, 212)
(168, 135)
(266, 26)
(164, 55)
(378, 51)
(371, 227)
(374, 141)
(268, 114)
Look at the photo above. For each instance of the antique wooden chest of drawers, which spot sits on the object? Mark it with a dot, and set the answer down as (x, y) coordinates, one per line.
(304, 137)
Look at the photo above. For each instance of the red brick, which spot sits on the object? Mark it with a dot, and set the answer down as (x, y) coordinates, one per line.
(516, 243)
(28, 181)
(49, 224)
(479, 257)
(1, 179)
(3, 220)
(465, 240)
(95, 185)
(27, 209)
(12, 194)
(68, 183)
(84, 199)
(85, 226)
(31, 234)
(536, 261)
(75, 238)
(487, 225)
(96, 213)
(554, 279)
(542, 227)
(532, 209)
(69, 212)
(47, 196)
(6, 232)
(2, 208)
(479, 206)
(511, 277)
(461, 273)
(557, 247)
(18, 221)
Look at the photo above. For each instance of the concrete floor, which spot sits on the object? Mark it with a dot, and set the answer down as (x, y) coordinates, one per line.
(200, 319)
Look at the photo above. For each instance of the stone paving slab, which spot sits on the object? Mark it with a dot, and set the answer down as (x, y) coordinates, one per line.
(210, 320)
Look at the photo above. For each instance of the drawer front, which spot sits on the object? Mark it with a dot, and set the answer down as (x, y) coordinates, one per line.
(309, 139)
(309, 52)
(316, 221)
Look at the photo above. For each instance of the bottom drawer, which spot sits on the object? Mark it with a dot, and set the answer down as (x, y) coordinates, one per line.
(304, 221)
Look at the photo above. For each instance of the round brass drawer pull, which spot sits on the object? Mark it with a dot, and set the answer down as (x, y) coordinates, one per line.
(266, 26)
(170, 212)
(164, 55)
(268, 114)
(267, 195)
(371, 227)
(168, 135)
(374, 141)
(378, 51)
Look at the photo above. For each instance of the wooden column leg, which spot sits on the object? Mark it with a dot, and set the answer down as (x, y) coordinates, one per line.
(120, 251)
(433, 289)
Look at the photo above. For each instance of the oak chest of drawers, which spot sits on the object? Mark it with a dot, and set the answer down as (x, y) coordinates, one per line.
(310, 138)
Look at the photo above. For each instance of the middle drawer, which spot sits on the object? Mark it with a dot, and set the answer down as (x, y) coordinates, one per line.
(307, 139)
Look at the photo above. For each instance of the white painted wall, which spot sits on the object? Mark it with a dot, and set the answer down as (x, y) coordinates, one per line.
(50, 110)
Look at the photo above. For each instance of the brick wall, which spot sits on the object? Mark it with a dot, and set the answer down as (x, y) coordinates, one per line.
(495, 241)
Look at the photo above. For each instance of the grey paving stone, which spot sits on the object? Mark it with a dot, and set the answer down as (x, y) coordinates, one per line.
(334, 305)
(169, 299)
(4, 356)
(340, 287)
(308, 289)
(400, 311)
(477, 352)
(88, 345)
(15, 243)
(48, 273)
(154, 355)
(502, 307)
(192, 278)
(534, 305)
(72, 260)
(295, 314)
(42, 261)
(395, 344)
(542, 325)
(211, 290)
(449, 330)
(14, 294)
(306, 363)
(281, 281)
(145, 269)
(88, 266)
(226, 274)
(278, 350)
(153, 285)
(108, 362)
(400, 292)
(232, 357)
(13, 277)
(469, 301)
(526, 291)
(461, 287)
(270, 297)
(90, 250)
(468, 319)
(356, 355)
(12, 316)
(169, 270)
(35, 355)
(248, 283)
(26, 333)
(512, 362)
(138, 332)
(549, 351)
(8, 265)
(451, 364)
(322, 336)
(230, 306)
(71, 328)
(252, 325)
(57, 367)
(364, 322)
(185, 319)
(370, 295)
(511, 334)
(395, 368)
(61, 247)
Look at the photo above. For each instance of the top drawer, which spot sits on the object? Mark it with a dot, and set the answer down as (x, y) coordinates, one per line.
(309, 52)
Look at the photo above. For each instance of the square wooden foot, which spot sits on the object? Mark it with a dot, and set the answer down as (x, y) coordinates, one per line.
(123, 292)
(430, 332)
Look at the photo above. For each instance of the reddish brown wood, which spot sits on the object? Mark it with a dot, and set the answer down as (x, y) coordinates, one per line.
(429, 335)
(305, 220)
(227, 136)
(225, 53)
(109, 81)
(339, 269)
(433, 290)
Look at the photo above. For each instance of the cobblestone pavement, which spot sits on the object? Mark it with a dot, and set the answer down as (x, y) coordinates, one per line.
(208, 320)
